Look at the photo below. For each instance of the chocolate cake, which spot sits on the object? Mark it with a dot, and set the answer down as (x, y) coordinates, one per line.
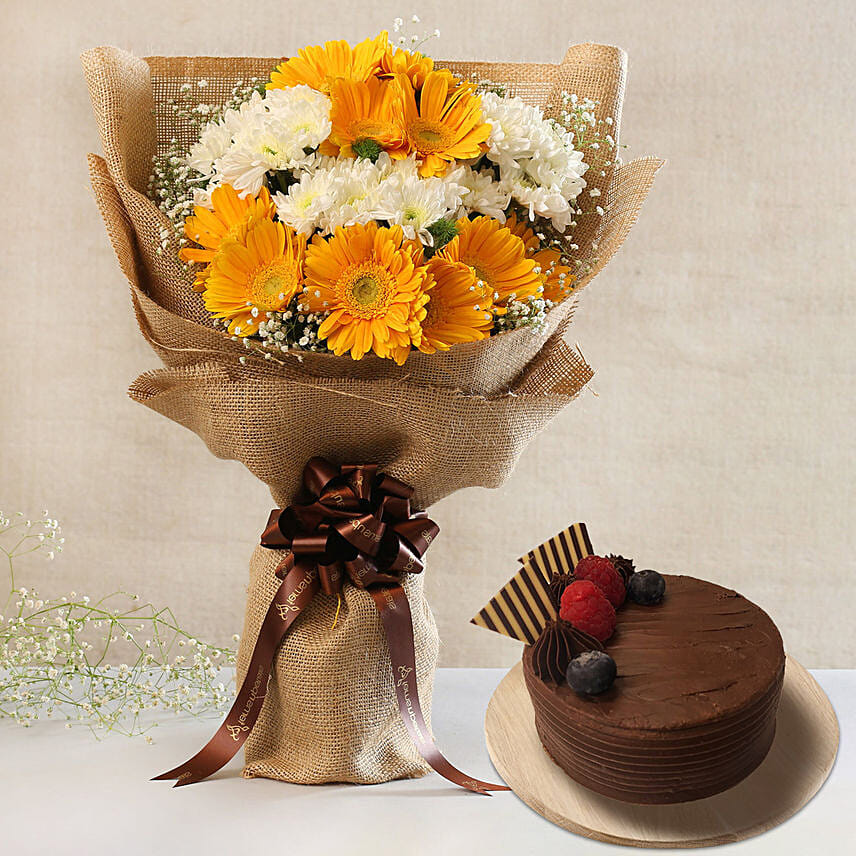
(692, 711)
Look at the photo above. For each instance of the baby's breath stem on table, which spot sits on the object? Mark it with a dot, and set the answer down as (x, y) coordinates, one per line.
(54, 653)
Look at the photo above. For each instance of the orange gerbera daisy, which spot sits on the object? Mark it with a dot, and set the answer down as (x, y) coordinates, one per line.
(318, 66)
(366, 118)
(446, 123)
(459, 309)
(258, 271)
(414, 64)
(210, 228)
(366, 278)
(523, 231)
(497, 256)
(556, 277)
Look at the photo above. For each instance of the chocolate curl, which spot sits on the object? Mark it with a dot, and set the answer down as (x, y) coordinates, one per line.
(394, 609)
(298, 587)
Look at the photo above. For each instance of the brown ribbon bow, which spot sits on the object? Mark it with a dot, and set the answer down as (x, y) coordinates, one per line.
(352, 520)
(346, 521)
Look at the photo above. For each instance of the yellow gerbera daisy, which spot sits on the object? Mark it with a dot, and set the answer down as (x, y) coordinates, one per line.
(557, 278)
(446, 123)
(459, 309)
(414, 64)
(497, 256)
(366, 118)
(258, 271)
(318, 66)
(523, 231)
(365, 277)
(210, 228)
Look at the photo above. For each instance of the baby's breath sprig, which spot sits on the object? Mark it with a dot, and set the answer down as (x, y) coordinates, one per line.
(531, 313)
(172, 181)
(54, 652)
(295, 327)
(413, 41)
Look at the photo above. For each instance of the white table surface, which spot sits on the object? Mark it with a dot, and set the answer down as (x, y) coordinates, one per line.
(64, 793)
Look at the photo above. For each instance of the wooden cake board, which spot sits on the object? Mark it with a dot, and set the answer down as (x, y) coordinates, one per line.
(797, 765)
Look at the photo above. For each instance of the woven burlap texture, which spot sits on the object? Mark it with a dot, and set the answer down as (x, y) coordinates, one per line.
(319, 723)
(440, 423)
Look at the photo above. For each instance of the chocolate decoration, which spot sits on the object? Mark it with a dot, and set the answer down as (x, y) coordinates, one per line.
(558, 584)
(553, 650)
(524, 605)
(557, 645)
(624, 566)
(584, 641)
(693, 710)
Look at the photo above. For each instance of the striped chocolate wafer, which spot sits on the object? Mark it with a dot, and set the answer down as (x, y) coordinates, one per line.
(561, 553)
(522, 607)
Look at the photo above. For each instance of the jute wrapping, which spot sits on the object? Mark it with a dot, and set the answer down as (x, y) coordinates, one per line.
(439, 423)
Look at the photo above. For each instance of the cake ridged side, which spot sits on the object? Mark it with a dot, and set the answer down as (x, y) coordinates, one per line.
(647, 747)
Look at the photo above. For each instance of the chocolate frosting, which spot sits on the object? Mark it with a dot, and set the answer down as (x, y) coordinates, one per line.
(692, 711)
(624, 566)
(557, 645)
(558, 583)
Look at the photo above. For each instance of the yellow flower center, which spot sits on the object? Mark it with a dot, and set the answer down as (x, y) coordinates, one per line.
(370, 129)
(427, 137)
(365, 289)
(484, 274)
(270, 281)
(435, 313)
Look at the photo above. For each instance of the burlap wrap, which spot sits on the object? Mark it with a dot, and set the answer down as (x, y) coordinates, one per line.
(440, 422)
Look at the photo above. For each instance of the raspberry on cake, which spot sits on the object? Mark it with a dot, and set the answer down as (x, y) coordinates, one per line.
(585, 606)
(601, 571)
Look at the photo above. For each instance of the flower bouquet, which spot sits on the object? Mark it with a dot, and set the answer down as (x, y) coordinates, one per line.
(357, 265)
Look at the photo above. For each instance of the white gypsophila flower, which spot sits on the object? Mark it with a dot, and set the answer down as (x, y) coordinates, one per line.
(484, 194)
(403, 198)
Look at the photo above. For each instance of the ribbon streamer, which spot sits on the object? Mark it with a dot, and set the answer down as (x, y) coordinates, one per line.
(394, 609)
(349, 521)
(298, 587)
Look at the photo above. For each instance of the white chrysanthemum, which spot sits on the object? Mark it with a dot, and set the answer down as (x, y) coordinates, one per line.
(546, 202)
(353, 185)
(214, 142)
(515, 126)
(536, 157)
(263, 144)
(264, 134)
(484, 194)
(202, 196)
(306, 201)
(302, 113)
(332, 193)
(403, 198)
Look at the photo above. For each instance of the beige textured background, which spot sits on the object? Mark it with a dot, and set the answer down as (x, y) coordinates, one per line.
(720, 441)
